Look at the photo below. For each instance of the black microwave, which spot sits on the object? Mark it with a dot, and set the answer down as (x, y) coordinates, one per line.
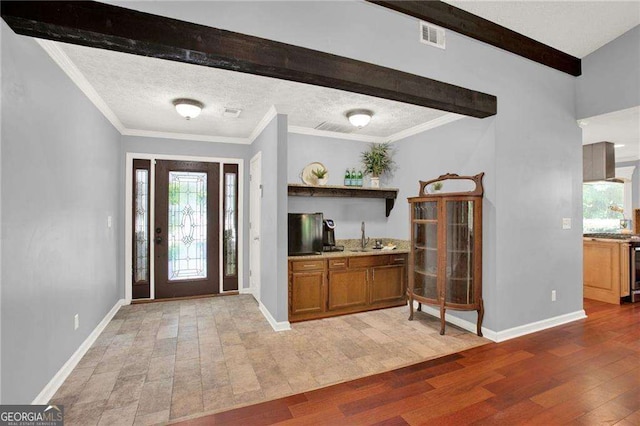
(305, 233)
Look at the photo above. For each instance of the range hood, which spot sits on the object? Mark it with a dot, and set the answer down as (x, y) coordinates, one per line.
(599, 162)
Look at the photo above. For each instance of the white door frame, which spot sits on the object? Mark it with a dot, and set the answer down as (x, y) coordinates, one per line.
(128, 216)
(255, 257)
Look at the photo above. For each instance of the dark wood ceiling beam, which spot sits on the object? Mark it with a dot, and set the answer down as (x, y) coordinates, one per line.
(115, 28)
(463, 22)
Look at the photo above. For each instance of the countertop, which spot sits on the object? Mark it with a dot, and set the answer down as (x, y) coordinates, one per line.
(402, 247)
(631, 238)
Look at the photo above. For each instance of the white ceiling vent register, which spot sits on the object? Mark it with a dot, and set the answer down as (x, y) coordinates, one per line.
(335, 127)
(432, 35)
(231, 112)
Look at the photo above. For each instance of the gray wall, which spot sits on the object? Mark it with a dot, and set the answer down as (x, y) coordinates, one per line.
(470, 150)
(635, 179)
(60, 169)
(337, 155)
(272, 143)
(610, 79)
(537, 144)
(144, 145)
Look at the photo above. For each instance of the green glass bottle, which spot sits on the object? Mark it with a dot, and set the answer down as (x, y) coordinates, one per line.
(359, 178)
(347, 178)
(354, 177)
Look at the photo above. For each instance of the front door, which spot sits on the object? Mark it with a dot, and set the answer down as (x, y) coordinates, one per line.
(186, 229)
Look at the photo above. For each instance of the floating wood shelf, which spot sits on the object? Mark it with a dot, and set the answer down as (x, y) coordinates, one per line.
(389, 194)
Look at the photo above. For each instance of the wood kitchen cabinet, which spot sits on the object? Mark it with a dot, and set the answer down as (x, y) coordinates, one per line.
(606, 270)
(445, 262)
(337, 286)
(307, 288)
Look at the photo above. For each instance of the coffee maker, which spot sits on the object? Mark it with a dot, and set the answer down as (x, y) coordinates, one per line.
(329, 236)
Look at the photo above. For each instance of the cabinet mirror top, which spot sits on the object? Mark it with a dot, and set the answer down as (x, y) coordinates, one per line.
(451, 185)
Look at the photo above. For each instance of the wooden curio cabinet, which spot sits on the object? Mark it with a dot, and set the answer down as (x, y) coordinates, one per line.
(445, 262)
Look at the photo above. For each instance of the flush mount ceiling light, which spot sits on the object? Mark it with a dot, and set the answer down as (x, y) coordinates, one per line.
(619, 145)
(359, 117)
(188, 108)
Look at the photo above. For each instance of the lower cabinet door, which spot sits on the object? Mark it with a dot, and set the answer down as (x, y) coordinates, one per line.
(387, 284)
(307, 293)
(347, 289)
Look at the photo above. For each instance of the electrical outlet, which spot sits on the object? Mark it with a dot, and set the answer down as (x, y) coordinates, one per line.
(553, 295)
(566, 223)
(76, 321)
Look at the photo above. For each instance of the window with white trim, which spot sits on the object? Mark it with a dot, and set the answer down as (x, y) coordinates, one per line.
(605, 205)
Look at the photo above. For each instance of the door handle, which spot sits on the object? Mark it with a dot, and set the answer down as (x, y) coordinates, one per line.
(158, 239)
(256, 238)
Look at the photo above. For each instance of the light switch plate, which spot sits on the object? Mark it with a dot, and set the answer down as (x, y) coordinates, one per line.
(109, 221)
(566, 223)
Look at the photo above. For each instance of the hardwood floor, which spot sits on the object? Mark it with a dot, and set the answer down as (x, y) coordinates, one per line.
(583, 373)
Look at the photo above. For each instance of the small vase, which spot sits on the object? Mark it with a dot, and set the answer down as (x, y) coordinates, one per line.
(323, 181)
(375, 182)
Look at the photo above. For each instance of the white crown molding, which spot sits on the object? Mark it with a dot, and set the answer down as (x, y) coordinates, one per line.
(262, 124)
(184, 136)
(440, 121)
(65, 63)
(54, 384)
(335, 135)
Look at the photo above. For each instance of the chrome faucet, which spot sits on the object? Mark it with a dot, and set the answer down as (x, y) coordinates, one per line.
(363, 241)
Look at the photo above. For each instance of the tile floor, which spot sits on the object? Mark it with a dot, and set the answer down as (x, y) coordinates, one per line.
(162, 361)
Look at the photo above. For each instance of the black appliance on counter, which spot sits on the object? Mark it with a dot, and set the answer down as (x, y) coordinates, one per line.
(329, 236)
(305, 234)
(634, 243)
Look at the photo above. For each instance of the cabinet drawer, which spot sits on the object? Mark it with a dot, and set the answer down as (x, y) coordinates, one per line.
(307, 265)
(398, 259)
(366, 261)
(340, 263)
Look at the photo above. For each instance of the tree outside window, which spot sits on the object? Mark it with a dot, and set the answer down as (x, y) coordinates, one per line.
(600, 202)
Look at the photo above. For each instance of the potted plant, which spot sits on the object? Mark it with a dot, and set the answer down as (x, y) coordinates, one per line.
(321, 175)
(436, 186)
(377, 161)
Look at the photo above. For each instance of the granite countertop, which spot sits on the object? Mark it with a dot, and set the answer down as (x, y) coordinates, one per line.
(612, 238)
(402, 247)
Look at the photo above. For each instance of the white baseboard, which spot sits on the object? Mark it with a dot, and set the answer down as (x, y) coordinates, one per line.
(50, 389)
(532, 327)
(277, 326)
(246, 290)
(510, 333)
(464, 324)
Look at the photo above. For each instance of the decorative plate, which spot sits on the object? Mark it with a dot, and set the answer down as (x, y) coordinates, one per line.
(309, 178)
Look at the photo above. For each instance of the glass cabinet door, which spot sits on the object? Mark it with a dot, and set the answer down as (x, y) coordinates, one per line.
(459, 249)
(425, 234)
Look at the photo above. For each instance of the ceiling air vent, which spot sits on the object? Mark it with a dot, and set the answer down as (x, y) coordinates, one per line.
(231, 112)
(432, 35)
(334, 127)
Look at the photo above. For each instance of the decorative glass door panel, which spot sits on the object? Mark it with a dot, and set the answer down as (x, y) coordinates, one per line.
(141, 274)
(459, 250)
(187, 231)
(230, 228)
(425, 241)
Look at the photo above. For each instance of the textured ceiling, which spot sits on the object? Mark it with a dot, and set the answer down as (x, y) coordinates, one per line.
(620, 127)
(574, 27)
(140, 90)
